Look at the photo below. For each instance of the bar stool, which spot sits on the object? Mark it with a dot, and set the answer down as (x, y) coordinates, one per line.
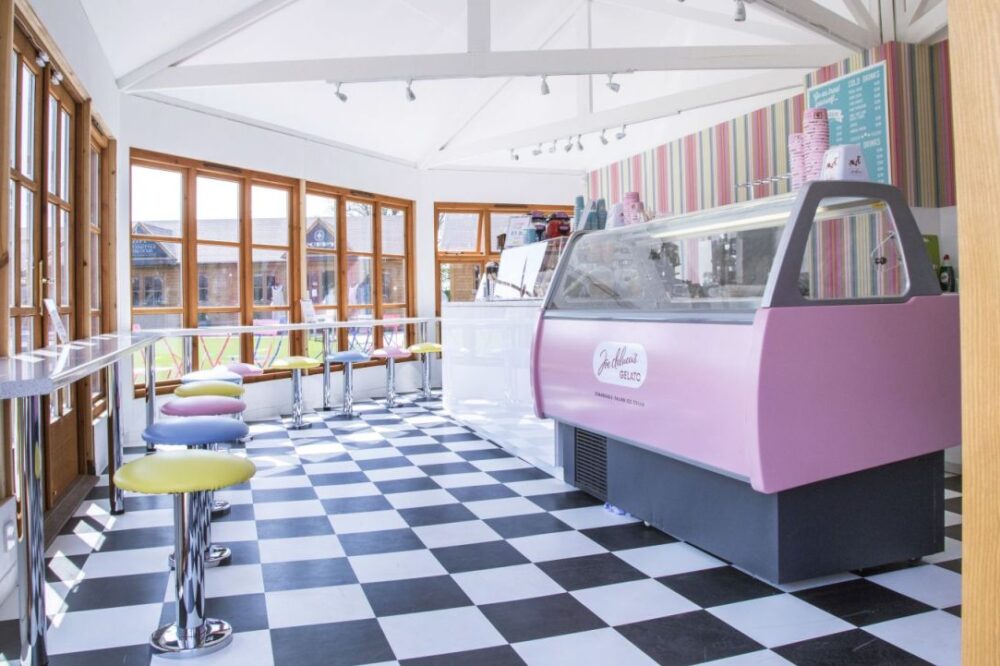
(217, 373)
(212, 387)
(391, 355)
(348, 359)
(424, 350)
(200, 432)
(190, 476)
(297, 364)
(245, 370)
(204, 405)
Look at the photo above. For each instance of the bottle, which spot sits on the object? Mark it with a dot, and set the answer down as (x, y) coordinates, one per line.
(946, 275)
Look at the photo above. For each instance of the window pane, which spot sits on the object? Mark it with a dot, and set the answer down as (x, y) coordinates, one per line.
(459, 282)
(27, 122)
(321, 278)
(156, 274)
(168, 356)
(315, 340)
(359, 227)
(95, 271)
(11, 248)
(359, 280)
(269, 207)
(361, 337)
(27, 334)
(65, 164)
(27, 248)
(270, 277)
(268, 347)
(96, 326)
(500, 223)
(393, 231)
(458, 232)
(52, 222)
(64, 265)
(220, 349)
(321, 222)
(393, 280)
(53, 152)
(13, 110)
(394, 336)
(218, 275)
(95, 187)
(157, 200)
(218, 209)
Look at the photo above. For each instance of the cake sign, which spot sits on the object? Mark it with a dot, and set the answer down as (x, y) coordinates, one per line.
(620, 363)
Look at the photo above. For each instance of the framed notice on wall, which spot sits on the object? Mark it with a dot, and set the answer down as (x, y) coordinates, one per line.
(858, 108)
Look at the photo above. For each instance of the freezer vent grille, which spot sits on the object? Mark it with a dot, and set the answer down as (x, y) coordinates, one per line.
(590, 459)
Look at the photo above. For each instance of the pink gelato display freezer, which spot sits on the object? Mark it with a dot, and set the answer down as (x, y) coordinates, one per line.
(773, 381)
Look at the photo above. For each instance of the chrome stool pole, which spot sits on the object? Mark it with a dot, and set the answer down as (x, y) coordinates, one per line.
(348, 409)
(297, 401)
(390, 382)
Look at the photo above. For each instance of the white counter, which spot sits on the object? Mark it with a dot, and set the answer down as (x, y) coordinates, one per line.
(486, 375)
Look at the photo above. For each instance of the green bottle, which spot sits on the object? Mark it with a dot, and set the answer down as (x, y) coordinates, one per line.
(946, 275)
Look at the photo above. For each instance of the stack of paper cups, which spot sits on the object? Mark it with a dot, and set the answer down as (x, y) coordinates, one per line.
(816, 141)
(797, 159)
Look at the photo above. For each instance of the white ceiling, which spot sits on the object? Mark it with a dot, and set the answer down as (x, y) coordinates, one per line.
(460, 113)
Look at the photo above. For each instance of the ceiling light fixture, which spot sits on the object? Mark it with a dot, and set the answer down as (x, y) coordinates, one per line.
(43, 59)
(513, 155)
(620, 134)
(552, 148)
(410, 95)
(741, 11)
(604, 139)
(57, 77)
(341, 96)
(612, 86)
(537, 151)
(545, 84)
(569, 144)
(579, 143)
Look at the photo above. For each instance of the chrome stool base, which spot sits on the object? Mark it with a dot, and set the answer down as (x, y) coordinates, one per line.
(220, 508)
(213, 635)
(215, 556)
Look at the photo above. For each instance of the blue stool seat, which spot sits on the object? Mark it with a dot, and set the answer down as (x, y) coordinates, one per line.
(216, 374)
(196, 431)
(349, 356)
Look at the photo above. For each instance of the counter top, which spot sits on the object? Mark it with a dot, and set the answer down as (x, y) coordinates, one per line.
(511, 303)
(42, 371)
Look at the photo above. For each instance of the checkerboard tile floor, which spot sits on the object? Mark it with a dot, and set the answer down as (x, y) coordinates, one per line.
(402, 537)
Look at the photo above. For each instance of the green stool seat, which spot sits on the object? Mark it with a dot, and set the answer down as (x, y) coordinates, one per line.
(213, 387)
(425, 350)
(296, 363)
(190, 476)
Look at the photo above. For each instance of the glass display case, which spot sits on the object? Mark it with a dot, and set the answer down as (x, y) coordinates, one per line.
(525, 272)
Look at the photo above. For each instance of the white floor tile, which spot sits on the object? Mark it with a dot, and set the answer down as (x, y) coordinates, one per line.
(668, 559)
(346, 490)
(472, 445)
(331, 467)
(395, 566)
(81, 542)
(403, 442)
(298, 549)
(293, 509)
(435, 632)
(436, 458)
(374, 454)
(128, 562)
(540, 487)
(589, 648)
(592, 516)
(234, 530)
(507, 506)
(455, 534)
(248, 647)
(228, 581)
(759, 658)
(499, 464)
(464, 480)
(633, 601)
(318, 605)
(368, 521)
(394, 473)
(90, 630)
(276, 482)
(933, 585)
(418, 498)
(522, 581)
(935, 636)
(554, 546)
(952, 551)
(132, 520)
(235, 496)
(951, 518)
(779, 620)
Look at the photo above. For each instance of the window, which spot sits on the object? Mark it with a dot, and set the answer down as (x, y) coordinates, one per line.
(246, 250)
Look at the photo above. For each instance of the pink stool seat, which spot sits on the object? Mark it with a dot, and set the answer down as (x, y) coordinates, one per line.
(395, 353)
(203, 405)
(245, 369)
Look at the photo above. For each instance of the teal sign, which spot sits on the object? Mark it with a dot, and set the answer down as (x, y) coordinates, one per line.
(858, 108)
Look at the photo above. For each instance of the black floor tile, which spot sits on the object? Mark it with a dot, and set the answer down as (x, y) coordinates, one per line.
(688, 638)
(284, 495)
(718, 586)
(285, 528)
(406, 485)
(448, 468)
(355, 504)
(340, 644)
(848, 647)
(576, 573)
(133, 655)
(955, 610)
(529, 524)
(384, 463)
(953, 483)
(309, 573)
(338, 478)
(503, 655)
(484, 454)
(236, 512)
(140, 537)
(631, 535)
(954, 532)
(243, 552)
(94, 593)
(953, 504)
(476, 493)
(245, 612)
(384, 541)
(952, 565)
(541, 617)
(574, 499)
(476, 556)
(421, 449)
(415, 595)
(521, 474)
(436, 515)
(861, 602)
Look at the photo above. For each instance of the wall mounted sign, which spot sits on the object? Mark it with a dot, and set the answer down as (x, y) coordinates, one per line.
(620, 363)
(858, 108)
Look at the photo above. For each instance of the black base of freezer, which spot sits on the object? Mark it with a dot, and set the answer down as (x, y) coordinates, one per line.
(869, 518)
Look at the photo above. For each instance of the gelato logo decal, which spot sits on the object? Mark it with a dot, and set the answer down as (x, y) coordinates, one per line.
(620, 363)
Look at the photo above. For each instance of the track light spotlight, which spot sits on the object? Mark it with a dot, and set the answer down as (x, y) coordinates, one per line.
(410, 95)
(57, 77)
(579, 143)
(513, 155)
(612, 86)
(545, 84)
(537, 151)
(604, 139)
(552, 148)
(741, 11)
(341, 96)
(620, 134)
(569, 144)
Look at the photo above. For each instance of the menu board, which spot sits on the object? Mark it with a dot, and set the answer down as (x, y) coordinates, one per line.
(859, 113)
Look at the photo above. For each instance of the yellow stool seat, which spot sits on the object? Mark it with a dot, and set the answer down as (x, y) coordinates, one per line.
(188, 471)
(296, 363)
(425, 348)
(214, 387)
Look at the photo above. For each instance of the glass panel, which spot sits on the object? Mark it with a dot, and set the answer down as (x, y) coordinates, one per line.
(393, 231)
(393, 280)
(394, 336)
(218, 275)
(218, 209)
(157, 201)
(27, 334)
(95, 187)
(511, 224)
(27, 249)
(269, 207)
(359, 280)
(361, 337)
(53, 146)
(65, 268)
(95, 324)
(156, 274)
(27, 122)
(95, 271)
(315, 339)
(459, 282)
(321, 278)
(321, 222)
(853, 252)
(13, 110)
(267, 347)
(51, 232)
(219, 349)
(270, 277)
(717, 260)
(458, 232)
(65, 163)
(169, 352)
(12, 251)
(359, 227)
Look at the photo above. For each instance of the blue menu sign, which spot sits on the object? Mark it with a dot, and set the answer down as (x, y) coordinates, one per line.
(859, 113)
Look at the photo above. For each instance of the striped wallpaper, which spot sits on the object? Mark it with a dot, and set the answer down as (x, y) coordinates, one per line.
(703, 170)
